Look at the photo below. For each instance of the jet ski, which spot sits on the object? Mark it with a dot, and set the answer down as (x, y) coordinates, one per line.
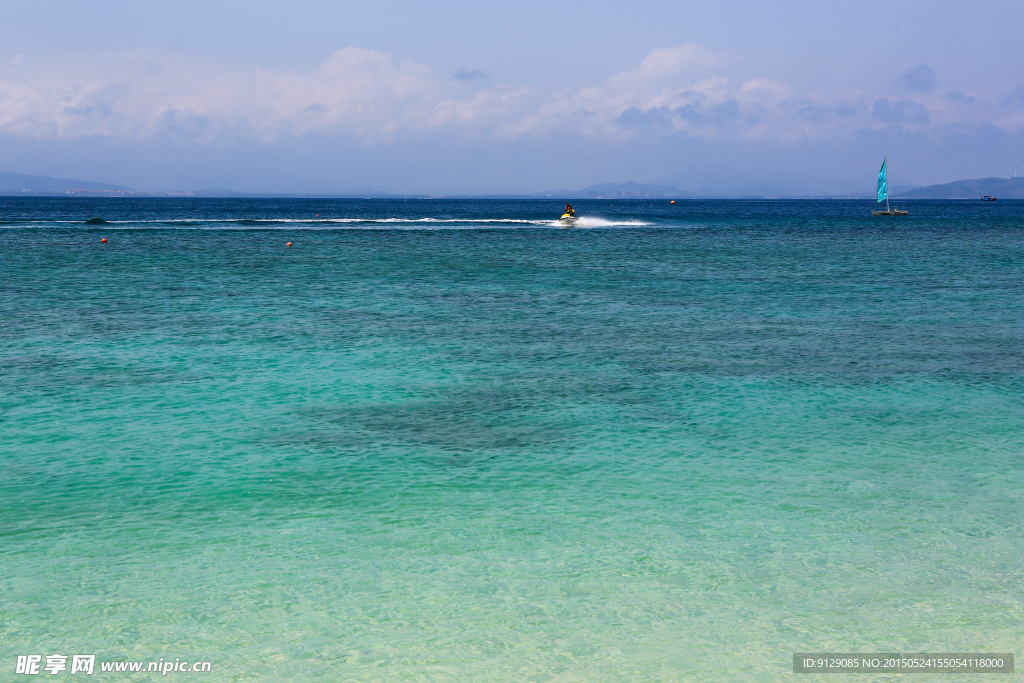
(568, 220)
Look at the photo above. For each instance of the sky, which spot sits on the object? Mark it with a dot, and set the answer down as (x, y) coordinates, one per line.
(468, 97)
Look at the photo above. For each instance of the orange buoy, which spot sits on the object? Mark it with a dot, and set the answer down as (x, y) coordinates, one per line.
(104, 240)
(288, 245)
(672, 202)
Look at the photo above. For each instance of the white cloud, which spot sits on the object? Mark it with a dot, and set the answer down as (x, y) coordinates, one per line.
(366, 95)
(355, 92)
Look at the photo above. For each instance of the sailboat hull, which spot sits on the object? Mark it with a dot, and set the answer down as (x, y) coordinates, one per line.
(891, 212)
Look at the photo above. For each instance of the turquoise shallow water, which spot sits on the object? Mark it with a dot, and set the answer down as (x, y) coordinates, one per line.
(446, 440)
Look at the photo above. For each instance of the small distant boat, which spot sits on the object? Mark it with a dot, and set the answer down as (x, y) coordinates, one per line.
(989, 198)
(883, 196)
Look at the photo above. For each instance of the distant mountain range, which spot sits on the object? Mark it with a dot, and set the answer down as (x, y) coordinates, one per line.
(1001, 188)
(32, 185)
(18, 184)
(21, 185)
(628, 190)
(631, 190)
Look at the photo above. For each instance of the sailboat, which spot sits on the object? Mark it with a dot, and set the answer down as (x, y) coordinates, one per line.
(883, 196)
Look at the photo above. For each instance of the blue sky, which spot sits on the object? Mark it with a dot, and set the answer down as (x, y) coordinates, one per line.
(528, 96)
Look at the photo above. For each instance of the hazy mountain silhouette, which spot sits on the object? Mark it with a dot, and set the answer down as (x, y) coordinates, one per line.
(1001, 188)
(19, 184)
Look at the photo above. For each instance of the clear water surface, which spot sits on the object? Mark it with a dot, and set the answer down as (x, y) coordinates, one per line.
(449, 440)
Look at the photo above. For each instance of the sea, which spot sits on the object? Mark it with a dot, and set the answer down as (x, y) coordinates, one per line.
(453, 440)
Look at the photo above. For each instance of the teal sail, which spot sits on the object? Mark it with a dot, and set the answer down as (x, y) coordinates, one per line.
(883, 186)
